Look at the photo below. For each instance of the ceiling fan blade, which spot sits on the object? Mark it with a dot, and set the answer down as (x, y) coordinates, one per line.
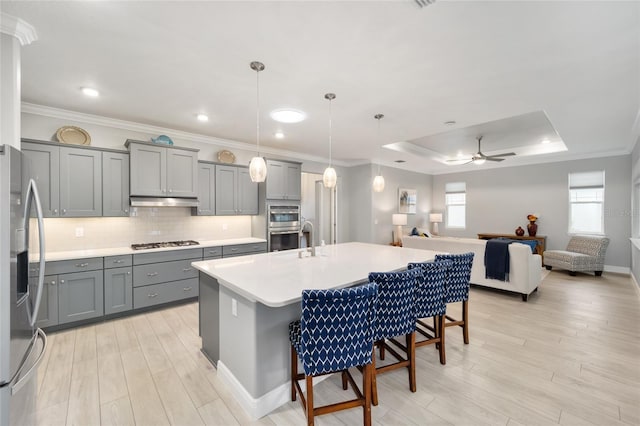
(492, 158)
(506, 154)
(458, 160)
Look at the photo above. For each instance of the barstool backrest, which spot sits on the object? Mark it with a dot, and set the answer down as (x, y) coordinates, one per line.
(336, 328)
(395, 313)
(430, 293)
(457, 283)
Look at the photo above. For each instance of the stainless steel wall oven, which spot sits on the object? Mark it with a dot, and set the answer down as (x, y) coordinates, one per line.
(283, 225)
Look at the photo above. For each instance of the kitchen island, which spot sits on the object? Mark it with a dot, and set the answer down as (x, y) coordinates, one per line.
(247, 303)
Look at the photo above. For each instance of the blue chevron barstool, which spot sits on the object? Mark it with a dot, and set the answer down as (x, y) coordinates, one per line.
(335, 332)
(457, 288)
(395, 316)
(430, 302)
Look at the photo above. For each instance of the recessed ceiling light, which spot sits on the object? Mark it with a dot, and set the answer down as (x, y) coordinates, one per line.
(90, 92)
(450, 122)
(399, 161)
(288, 115)
(202, 117)
(545, 141)
(279, 135)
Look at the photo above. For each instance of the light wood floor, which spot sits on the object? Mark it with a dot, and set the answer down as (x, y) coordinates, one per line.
(569, 356)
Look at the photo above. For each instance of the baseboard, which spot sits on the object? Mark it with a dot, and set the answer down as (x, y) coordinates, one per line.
(255, 407)
(617, 269)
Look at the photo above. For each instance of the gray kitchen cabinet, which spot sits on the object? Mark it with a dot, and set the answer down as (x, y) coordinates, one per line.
(243, 249)
(115, 184)
(209, 253)
(48, 312)
(44, 167)
(162, 171)
(118, 290)
(80, 182)
(283, 180)
(80, 296)
(206, 189)
(235, 194)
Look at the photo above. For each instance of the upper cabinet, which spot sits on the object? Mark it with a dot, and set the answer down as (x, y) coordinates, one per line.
(115, 184)
(283, 180)
(235, 194)
(206, 189)
(163, 171)
(69, 179)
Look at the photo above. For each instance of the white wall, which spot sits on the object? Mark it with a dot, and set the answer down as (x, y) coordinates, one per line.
(635, 217)
(498, 200)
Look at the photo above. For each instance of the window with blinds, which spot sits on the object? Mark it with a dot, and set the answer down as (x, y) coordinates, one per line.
(455, 199)
(586, 202)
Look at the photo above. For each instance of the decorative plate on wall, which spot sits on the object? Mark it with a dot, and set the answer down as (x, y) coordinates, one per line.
(225, 156)
(73, 135)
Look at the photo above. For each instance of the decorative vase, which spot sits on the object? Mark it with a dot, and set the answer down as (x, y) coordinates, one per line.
(519, 231)
(532, 228)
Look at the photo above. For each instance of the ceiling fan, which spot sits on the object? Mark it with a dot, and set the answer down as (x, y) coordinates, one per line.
(479, 158)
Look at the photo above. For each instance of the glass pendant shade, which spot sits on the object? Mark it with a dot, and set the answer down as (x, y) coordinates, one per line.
(329, 178)
(378, 183)
(257, 169)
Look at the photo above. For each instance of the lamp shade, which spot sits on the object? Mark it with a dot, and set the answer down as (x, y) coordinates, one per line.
(329, 178)
(399, 219)
(435, 217)
(257, 169)
(378, 183)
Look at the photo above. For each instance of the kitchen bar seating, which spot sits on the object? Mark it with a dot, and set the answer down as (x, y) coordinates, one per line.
(457, 288)
(335, 333)
(395, 316)
(430, 302)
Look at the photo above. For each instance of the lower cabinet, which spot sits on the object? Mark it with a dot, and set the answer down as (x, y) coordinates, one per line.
(48, 312)
(80, 296)
(118, 290)
(156, 294)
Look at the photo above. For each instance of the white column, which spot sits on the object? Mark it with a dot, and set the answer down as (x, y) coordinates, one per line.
(14, 33)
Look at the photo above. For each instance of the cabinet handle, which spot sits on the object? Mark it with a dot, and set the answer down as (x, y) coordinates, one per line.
(187, 269)
(128, 272)
(186, 288)
(234, 249)
(126, 210)
(61, 281)
(64, 211)
(152, 295)
(55, 211)
(118, 261)
(152, 274)
(170, 191)
(53, 282)
(33, 270)
(213, 251)
(82, 265)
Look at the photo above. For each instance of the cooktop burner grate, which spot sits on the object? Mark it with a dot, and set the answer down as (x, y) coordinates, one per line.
(164, 244)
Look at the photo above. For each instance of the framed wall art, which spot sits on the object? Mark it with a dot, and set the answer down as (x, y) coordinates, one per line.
(407, 201)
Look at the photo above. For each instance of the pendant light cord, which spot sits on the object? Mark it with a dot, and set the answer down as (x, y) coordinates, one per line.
(258, 110)
(330, 132)
(378, 117)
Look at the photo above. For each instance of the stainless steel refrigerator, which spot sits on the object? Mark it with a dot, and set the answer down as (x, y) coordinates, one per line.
(22, 344)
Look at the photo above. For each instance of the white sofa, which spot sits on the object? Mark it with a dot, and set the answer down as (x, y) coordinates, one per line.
(525, 268)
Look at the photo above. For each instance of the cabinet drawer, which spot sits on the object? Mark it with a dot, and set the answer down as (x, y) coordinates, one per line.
(162, 272)
(70, 266)
(241, 249)
(212, 252)
(166, 256)
(166, 292)
(118, 261)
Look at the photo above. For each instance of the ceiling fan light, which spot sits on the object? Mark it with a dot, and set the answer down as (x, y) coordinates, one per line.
(329, 178)
(479, 161)
(258, 169)
(378, 183)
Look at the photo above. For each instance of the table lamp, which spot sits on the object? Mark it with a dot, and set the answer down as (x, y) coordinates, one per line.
(435, 218)
(399, 220)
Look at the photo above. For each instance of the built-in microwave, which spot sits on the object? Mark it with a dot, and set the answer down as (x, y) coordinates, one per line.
(281, 216)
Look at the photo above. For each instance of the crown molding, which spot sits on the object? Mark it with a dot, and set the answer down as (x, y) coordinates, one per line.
(16, 27)
(99, 120)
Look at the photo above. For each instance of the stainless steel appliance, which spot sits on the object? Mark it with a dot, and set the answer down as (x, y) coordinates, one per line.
(283, 227)
(146, 246)
(22, 344)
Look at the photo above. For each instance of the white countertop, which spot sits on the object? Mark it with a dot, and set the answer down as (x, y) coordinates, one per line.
(277, 279)
(119, 251)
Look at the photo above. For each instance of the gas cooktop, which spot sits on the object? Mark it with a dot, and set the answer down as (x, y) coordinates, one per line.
(164, 244)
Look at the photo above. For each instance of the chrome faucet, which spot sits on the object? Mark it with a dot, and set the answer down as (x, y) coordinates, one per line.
(310, 243)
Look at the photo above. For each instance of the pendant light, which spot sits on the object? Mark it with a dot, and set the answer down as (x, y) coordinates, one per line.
(378, 181)
(329, 178)
(257, 166)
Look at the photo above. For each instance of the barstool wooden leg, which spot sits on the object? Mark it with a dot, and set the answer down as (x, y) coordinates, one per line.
(294, 372)
(309, 382)
(411, 356)
(465, 318)
(441, 333)
(344, 380)
(366, 386)
(374, 382)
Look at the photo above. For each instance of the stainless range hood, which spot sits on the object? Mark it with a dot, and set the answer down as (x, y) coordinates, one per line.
(163, 202)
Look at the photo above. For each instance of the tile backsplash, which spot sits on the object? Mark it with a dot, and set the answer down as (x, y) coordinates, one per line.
(145, 225)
